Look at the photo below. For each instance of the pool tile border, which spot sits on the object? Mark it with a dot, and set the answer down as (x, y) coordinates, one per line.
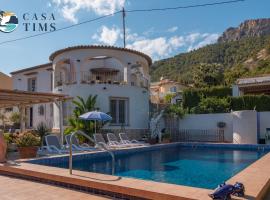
(255, 177)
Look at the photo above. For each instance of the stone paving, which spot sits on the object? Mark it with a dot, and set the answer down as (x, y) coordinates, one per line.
(18, 189)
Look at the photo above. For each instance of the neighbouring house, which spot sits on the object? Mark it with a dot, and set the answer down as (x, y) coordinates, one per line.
(159, 90)
(5, 81)
(253, 85)
(119, 76)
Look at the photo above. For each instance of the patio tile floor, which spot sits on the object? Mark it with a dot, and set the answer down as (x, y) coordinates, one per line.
(18, 189)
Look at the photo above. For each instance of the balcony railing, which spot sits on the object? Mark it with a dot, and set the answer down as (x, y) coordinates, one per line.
(65, 80)
(103, 77)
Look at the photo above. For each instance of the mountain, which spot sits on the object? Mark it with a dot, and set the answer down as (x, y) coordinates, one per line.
(243, 52)
(249, 28)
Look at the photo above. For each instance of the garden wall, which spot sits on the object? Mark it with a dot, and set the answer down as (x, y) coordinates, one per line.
(209, 122)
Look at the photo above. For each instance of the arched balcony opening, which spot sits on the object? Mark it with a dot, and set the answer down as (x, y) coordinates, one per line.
(102, 69)
(64, 73)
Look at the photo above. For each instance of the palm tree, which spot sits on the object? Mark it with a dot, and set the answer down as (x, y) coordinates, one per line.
(81, 107)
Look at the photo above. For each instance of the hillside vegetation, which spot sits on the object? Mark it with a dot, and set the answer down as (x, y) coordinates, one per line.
(245, 57)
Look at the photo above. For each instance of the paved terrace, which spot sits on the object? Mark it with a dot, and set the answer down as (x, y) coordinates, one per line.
(18, 189)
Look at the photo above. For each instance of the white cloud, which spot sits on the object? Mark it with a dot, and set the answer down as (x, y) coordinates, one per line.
(107, 35)
(202, 40)
(157, 47)
(172, 29)
(69, 8)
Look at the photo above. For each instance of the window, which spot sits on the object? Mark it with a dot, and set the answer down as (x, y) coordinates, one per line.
(41, 110)
(32, 87)
(173, 89)
(119, 111)
(8, 109)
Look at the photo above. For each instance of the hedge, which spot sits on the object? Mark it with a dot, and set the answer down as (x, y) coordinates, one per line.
(192, 97)
(251, 102)
(223, 105)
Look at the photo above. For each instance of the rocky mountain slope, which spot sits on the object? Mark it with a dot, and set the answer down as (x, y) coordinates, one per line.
(249, 28)
(242, 52)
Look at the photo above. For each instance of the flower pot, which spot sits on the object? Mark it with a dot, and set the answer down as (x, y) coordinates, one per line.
(27, 152)
(166, 140)
(12, 147)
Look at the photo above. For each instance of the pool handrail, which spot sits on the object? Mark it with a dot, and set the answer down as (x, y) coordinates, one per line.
(98, 145)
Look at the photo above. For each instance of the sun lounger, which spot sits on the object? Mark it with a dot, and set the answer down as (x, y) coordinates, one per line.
(53, 145)
(76, 145)
(125, 140)
(113, 141)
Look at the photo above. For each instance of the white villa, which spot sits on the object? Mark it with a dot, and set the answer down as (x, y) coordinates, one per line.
(119, 76)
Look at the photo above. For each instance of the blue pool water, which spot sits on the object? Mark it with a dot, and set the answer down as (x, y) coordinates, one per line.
(200, 167)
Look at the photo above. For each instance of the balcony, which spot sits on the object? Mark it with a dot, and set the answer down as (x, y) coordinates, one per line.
(61, 79)
(102, 75)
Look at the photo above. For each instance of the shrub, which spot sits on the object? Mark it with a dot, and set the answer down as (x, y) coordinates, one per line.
(42, 130)
(192, 97)
(174, 110)
(212, 105)
(251, 102)
(28, 140)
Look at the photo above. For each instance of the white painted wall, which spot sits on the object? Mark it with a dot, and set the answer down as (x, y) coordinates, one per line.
(245, 127)
(264, 118)
(208, 121)
(138, 101)
(43, 84)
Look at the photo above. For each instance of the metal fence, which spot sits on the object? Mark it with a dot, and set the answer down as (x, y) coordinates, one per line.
(196, 135)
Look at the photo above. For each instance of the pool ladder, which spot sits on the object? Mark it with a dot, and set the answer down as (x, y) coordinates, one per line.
(261, 149)
(98, 145)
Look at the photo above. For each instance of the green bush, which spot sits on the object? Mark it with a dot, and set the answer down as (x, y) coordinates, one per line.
(28, 140)
(212, 105)
(192, 97)
(174, 110)
(251, 102)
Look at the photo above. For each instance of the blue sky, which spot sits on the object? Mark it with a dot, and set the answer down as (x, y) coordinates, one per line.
(159, 34)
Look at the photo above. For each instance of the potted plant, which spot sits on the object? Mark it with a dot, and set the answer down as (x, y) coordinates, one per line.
(166, 137)
(221, 125)
(42, 130)
(28, 145)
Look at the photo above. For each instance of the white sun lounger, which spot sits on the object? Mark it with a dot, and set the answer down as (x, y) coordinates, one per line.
(77, 146)
(113, 141)
(99, 139)
(125, 140)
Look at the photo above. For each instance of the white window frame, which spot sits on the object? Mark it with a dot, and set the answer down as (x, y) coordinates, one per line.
(117, 123)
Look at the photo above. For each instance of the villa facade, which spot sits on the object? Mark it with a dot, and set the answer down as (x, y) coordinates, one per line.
(164, 87)
(5, 81)
(118, 76)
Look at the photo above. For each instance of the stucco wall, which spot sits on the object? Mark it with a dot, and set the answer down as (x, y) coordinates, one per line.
(138, 101)
(208, 121)
(5, 81)
(43, 84)
(264, 123)
(245, 127)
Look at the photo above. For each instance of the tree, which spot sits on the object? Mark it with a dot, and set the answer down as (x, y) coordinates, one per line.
(207, 75)
(81, 107)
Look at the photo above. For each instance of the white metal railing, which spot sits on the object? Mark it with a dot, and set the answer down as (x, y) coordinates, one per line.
(60, 80)
(103, 77)
(199, 135)
(98, 145)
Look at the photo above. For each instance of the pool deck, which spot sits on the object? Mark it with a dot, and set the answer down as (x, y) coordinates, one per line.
(255, 177)
(18, 189)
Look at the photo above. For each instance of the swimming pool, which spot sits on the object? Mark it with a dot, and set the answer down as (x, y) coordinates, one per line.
(203, 166)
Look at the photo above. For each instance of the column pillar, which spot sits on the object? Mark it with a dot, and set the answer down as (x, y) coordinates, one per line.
(22, 118)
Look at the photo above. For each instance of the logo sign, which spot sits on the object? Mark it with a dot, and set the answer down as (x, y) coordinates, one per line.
(8, 21)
